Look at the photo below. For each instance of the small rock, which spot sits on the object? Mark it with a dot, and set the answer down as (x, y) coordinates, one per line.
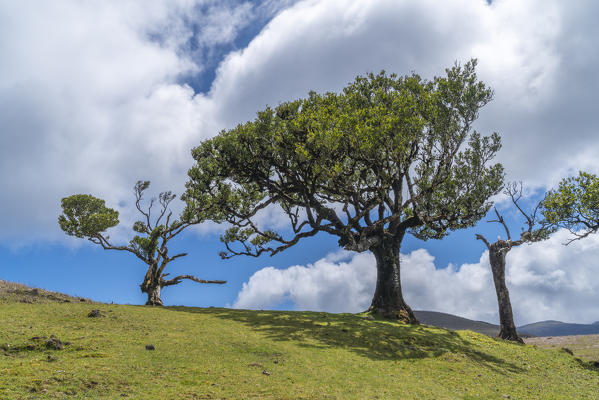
(51, 359)
(150, 347)
(369, 317)
(265, 372)
(277, 361)
(54, 344)
(94, 314)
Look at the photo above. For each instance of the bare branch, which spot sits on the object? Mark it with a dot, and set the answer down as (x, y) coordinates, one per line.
(103, 241)
(502, 222)
(481, 237)
(177, 279)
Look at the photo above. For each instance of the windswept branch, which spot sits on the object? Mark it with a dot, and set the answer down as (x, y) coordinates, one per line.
(177, 279)
(103, 241)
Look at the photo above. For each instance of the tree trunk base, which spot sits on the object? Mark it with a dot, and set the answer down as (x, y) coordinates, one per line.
(153, 296)
(403, 315)
(511, 336)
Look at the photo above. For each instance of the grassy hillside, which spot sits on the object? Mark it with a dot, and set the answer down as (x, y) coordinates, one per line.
(222, 353)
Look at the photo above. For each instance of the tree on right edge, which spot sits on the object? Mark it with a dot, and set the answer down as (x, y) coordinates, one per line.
(498, 250)
(574, 205)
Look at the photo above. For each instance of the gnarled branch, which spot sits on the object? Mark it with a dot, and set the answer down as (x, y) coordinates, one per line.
(177, 279)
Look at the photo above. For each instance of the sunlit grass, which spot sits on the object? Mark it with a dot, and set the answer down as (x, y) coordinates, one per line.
(222, 353)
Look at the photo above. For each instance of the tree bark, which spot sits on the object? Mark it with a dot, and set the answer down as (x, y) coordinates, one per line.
(507, 331)
(152, 286)
(154, 295)
(388, 299)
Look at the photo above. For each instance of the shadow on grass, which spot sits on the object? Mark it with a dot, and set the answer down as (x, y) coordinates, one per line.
(375, 339)
(588, 365)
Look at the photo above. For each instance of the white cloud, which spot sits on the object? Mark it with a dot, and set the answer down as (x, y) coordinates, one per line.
(91, 99)
(89, 103)
(546, 281)
(329, 284)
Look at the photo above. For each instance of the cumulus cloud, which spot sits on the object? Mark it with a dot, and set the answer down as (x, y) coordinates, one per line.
(546, 281)
(330, 284)
(536, 55)
(92, 94)
(89, 103)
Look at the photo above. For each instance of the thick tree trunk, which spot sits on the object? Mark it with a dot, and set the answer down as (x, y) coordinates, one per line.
(154, 295)
(506, 317)
(388, 299)
(152, 285)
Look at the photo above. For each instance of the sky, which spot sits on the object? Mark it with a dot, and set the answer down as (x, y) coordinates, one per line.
(96, 95)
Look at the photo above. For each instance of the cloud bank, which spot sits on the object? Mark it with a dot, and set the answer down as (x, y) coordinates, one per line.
(93, 95)
(547, 281)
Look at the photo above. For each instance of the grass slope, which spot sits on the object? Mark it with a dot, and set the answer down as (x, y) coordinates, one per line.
(223, 353)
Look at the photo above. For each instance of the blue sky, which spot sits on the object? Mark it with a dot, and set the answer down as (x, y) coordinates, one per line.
(96, 95)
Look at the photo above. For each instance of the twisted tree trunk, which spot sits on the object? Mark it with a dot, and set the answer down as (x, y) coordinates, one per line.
(154, 295)
(151, 285)
(497, 253)
(154, 282)
(388, 298)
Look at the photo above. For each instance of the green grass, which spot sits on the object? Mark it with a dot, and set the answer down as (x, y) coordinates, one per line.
(222, 353)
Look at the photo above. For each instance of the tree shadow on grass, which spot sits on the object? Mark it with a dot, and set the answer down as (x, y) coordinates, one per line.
(374, 339)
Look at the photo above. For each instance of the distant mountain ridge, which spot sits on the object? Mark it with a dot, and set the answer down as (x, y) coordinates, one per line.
(542, 328)
(450, 321)
(558, 328)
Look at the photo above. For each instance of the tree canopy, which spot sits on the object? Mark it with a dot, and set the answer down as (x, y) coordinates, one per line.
(574, 205)
(387, 155)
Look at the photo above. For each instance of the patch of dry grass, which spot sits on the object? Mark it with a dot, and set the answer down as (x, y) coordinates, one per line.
(11, 292)
(585, 347)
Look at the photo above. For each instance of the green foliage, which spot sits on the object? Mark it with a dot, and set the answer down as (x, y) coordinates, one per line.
(86, 216)
(392, 152)
(574, 205)
(147, 245)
